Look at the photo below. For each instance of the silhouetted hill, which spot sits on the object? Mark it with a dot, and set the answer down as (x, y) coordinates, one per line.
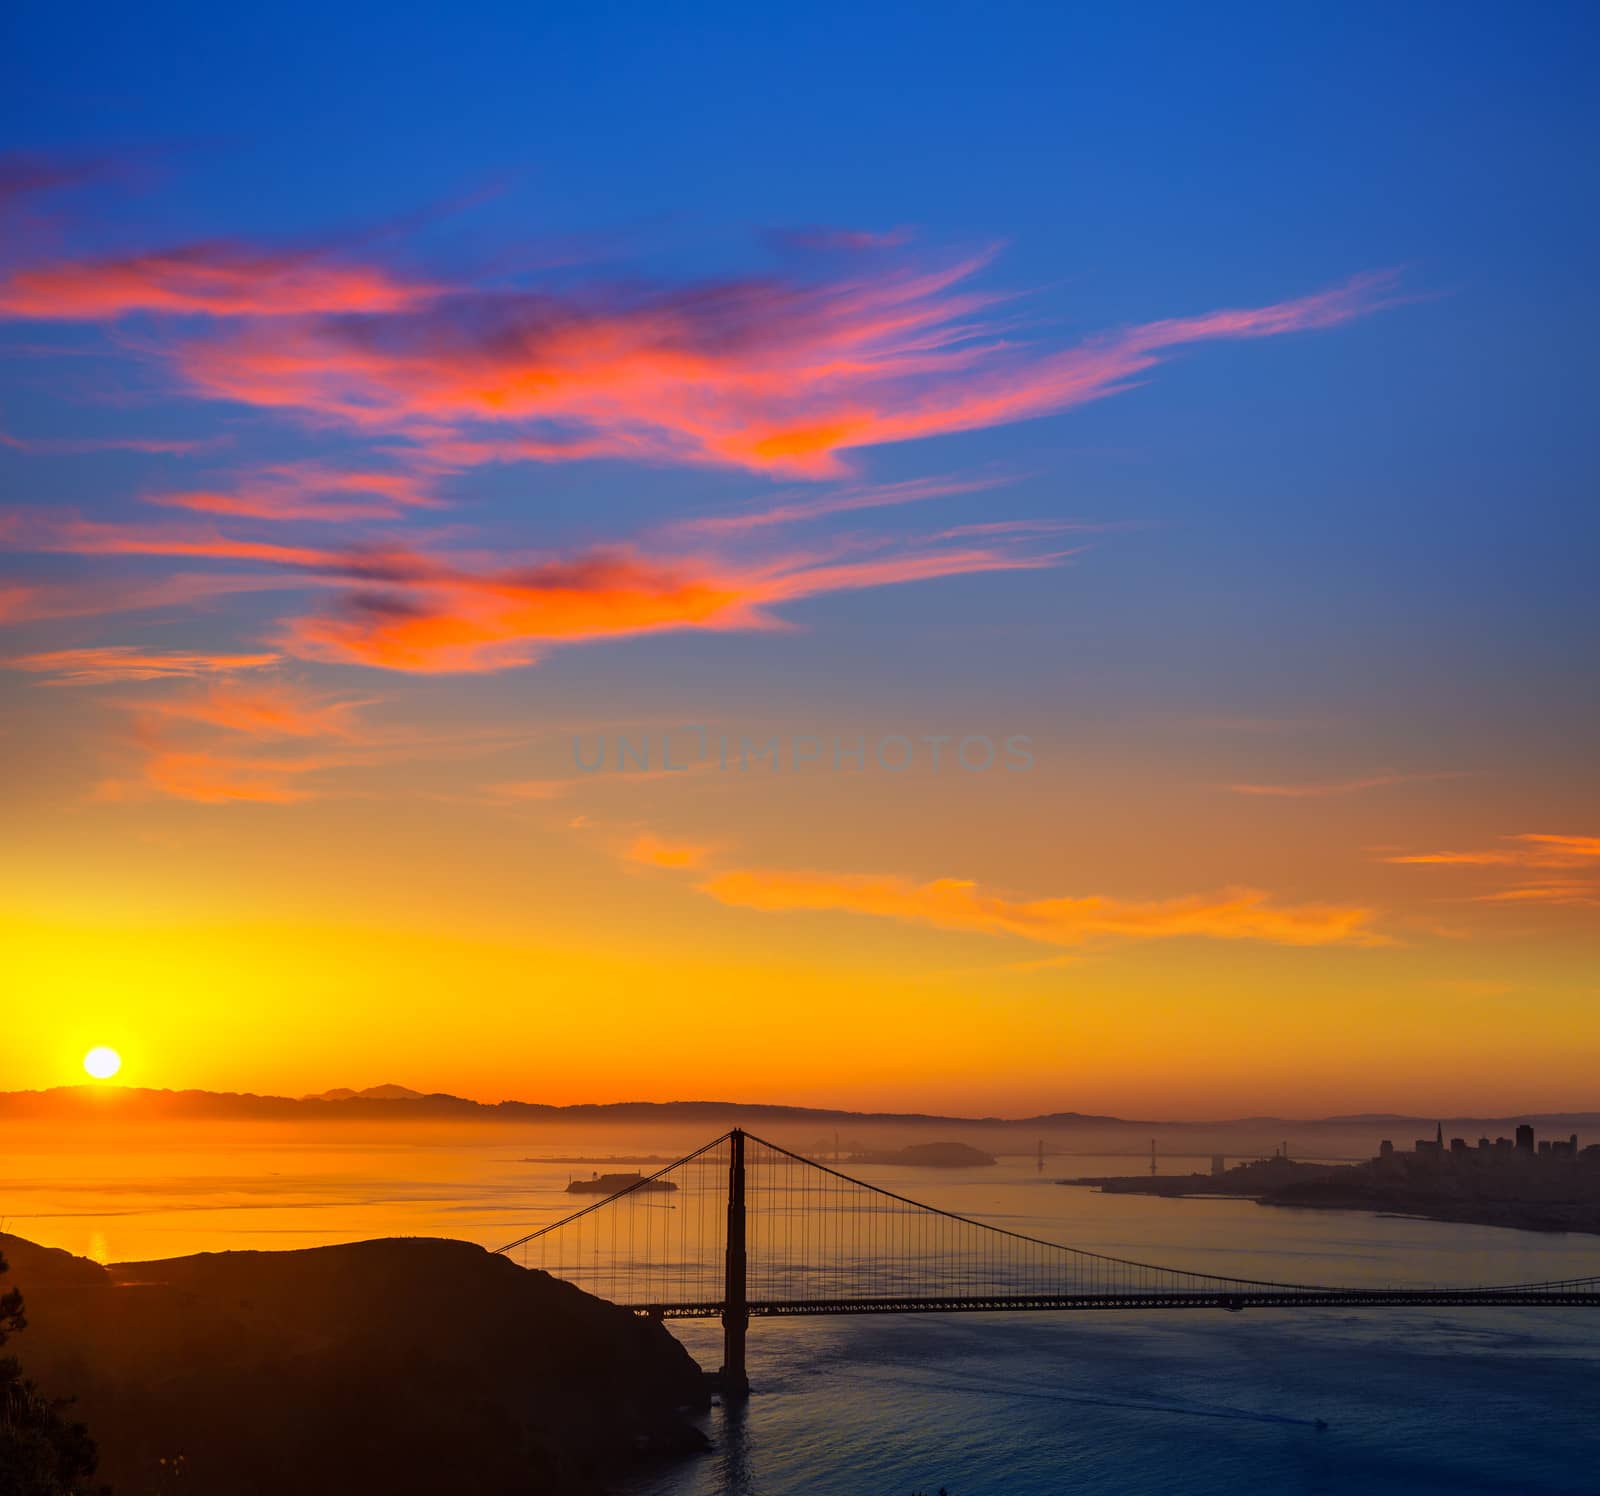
(392, 1103)
(403, 1366)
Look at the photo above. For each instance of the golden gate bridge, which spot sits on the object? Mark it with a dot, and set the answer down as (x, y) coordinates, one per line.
(749, 1229)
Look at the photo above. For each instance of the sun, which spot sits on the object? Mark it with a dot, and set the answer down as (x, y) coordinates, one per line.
(102, 1063)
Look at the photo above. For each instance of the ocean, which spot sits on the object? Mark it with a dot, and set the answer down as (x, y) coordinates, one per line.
(1371, 1401)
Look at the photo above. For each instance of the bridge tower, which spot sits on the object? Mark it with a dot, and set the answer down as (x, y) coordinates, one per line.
(733, 1380)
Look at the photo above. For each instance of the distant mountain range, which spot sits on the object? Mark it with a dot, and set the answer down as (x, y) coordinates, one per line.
(395, 1103)
(387, 1092)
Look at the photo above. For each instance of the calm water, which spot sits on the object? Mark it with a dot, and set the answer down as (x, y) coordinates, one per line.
(1417, 1401)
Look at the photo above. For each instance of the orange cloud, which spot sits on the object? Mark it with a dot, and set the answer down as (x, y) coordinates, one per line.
(1567, 892)
(405, 610)
(772, 376)
(1536, 849)
(955, 904)
(458, 621)
(218, 779)
(219, 279)
(264, 711)
(652, 851)
(115, 664)
(433, 618)
(1576, 849)
(261, 712)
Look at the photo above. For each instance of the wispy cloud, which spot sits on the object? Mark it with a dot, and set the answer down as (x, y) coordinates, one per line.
(774, 377)
(210, 777)
(1320, 789)
(830, 240)
(960, 905)
(780, 374)
(308, 491)
(219, 279)
(853, 499)
(438, 618)
(406, 609)
(202, 745)
(1563, 893)
(264, 711)
(1531, 849)
(1018, 529)
(26, 174)
(116, 664)
(28, 602)
(78, 445)
(1534, 852)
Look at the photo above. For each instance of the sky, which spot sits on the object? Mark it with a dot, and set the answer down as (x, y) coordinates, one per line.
(987, 559)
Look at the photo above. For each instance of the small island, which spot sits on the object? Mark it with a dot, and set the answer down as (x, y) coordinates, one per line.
(615, 1184)
(1521, 1182)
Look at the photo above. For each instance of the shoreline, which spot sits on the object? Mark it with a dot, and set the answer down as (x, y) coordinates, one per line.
(1575, 1217)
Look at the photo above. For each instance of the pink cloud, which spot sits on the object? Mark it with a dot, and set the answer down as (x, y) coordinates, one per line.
(405, 609)
(219, 279)
(427, 617)
(772, 376)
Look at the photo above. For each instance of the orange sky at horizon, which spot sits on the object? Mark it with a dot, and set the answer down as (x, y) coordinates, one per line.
(745, 937)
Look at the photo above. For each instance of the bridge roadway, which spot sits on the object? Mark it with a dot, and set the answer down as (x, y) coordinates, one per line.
(1233, 1300)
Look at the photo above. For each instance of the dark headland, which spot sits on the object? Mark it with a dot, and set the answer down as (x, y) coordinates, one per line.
(403, 1366)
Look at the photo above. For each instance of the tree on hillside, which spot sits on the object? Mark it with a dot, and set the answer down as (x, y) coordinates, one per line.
(41, 1452)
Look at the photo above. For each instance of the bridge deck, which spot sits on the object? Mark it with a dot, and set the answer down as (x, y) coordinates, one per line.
(754, 1230)
(1378, 1298)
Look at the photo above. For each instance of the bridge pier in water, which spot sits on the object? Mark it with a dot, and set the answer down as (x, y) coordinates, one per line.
(733, 1380)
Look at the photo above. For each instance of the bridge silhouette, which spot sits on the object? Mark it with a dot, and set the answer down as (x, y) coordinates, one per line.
(742, 1228)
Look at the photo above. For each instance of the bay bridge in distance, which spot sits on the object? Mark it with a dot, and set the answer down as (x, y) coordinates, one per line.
(756, 1231)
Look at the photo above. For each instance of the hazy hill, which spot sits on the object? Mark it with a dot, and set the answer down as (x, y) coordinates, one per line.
(398, 1366)
(388, 1092)
(393, 1103)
